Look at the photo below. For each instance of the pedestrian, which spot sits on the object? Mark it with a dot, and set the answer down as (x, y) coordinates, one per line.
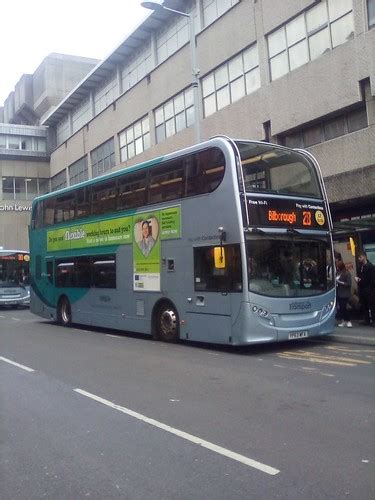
(344, 286)
(366, 287)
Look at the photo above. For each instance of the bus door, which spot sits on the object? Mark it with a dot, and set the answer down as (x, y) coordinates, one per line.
(215, 299)
(103, 297)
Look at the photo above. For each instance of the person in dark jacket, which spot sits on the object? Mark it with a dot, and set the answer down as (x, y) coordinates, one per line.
(366, 287)
(344, 286)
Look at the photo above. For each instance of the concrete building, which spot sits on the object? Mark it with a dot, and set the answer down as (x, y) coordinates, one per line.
(25, 144)
(297, 72)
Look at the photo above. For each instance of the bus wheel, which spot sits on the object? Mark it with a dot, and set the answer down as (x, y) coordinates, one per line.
(64, 312)
(167, 323)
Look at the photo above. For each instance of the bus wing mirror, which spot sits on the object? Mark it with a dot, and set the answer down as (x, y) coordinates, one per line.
(352, 246)
(219, 257)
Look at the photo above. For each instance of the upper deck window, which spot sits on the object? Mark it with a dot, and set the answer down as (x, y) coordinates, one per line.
(197, 173)
(277, 170)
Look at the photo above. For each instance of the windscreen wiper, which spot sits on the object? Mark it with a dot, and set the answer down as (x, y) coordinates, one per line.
(257, 230)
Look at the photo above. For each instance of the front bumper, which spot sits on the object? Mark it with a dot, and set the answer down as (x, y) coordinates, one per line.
(15, 301)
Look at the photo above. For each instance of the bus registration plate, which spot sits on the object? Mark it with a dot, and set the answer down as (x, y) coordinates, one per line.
(298, 335)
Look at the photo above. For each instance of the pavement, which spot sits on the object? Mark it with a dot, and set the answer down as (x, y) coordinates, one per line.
(358, 334)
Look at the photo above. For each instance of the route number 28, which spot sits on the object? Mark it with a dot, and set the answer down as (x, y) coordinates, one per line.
(306, 218)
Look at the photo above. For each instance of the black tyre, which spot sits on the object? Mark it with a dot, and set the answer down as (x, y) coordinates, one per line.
(64, 312)
(167, 323)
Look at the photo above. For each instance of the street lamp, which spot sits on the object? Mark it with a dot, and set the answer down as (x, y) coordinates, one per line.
(158, 5)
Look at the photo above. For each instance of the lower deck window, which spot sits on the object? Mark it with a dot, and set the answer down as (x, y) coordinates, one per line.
(207, 277)
(86, 272)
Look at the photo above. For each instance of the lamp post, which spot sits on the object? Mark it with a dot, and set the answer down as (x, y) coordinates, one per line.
(158, 5)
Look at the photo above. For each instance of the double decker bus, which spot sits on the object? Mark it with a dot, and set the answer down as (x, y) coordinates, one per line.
(227, 241)
(14, 278)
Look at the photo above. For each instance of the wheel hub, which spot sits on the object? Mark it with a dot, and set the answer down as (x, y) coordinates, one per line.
(168, 322)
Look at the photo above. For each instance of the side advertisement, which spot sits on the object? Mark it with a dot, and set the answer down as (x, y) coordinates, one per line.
(144, 231)
(149, 229)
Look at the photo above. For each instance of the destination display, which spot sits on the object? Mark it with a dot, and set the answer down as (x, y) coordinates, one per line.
(295, 214)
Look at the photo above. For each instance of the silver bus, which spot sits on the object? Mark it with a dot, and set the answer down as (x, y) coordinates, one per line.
(227, 241)
(14, 278)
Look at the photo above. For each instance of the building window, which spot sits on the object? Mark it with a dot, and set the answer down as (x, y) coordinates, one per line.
(20, 188)
(231, 81)
(31, 188)
(326, 130)
(58, 181)
(40, 144)
(103, 158)
(43, 186)
(13, 142)
(175, 115)
(81, 115)
(135, 139)
(371, 13)
(106, 94)
(175, 34)
(24, 143)
(8, 188)
(137, 68)
(63, 130)
(27, 143)
(78, 171)
(321, 28)
(212, 9)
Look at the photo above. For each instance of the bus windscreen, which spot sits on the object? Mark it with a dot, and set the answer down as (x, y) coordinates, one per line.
(271, 169)
(285, 266)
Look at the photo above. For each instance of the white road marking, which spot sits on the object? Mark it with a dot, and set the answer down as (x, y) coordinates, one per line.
(1, 316)
(114, 336)
(16, 319)
(16, 364)
(184, 435)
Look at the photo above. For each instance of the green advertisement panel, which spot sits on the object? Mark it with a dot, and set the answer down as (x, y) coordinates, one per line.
(146, 251)
(149, 229)
(170, 220)
(144, 230)
(95, 234)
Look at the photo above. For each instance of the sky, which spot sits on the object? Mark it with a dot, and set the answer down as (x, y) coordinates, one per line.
(32, 29)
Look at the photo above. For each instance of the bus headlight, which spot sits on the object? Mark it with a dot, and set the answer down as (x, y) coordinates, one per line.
(263, 313)
(327, 309)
